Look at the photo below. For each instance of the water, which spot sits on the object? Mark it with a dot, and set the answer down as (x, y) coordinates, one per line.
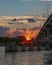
(26, 58)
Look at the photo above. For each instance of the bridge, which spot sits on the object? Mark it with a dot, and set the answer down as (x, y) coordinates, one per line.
(45, 35)
(44, 38)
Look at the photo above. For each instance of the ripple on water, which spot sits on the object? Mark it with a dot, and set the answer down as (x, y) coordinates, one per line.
(25, 58)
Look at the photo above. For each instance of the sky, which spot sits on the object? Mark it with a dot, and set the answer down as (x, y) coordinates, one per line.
(12, 8)
(24, 7)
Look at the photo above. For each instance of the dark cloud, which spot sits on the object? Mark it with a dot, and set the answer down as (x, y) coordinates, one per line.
(17, 33)
(14, 19)
(35, 28)
(31, 20)
(3, 31)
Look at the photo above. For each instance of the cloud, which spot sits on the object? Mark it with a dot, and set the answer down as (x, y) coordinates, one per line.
(14, 33)
(7, 32)
(3, 31)
(46, 0)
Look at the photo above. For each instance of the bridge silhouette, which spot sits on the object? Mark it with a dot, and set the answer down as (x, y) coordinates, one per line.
(44, 38)
(45, 35)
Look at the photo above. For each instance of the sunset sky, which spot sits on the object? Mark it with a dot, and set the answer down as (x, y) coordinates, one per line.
(10, 9)
(24, 7)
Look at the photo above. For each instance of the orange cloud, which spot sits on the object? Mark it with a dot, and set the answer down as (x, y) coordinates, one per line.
(28, 34)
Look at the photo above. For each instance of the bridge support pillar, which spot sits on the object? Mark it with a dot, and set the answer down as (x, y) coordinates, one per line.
(38, 46)
(46, 46)
(10, 47)
(31, 46)
(23, 47)
(50, 46)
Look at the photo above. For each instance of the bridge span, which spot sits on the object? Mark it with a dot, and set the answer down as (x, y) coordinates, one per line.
(44, 38)
(45, 35)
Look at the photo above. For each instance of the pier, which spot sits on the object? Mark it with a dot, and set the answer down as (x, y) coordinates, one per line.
(43, 40)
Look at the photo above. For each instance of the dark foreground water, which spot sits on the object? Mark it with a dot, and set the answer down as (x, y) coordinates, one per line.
(25, 58)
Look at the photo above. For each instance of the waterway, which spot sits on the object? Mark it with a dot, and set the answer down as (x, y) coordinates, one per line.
(25, 58)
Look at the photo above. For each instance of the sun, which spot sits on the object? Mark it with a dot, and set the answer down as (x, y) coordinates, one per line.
(27, 38)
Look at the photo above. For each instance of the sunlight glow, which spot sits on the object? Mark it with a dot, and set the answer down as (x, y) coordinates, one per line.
(27, 38)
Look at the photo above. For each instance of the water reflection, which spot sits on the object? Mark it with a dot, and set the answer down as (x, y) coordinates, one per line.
(47, 58)
(23, 58)
(26, 58)
(29, 58)
(9, 59)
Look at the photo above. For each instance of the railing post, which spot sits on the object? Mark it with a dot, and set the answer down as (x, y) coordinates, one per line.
(23, 47)
(38, 46)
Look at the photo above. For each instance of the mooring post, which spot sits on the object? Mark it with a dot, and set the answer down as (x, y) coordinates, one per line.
(23, 47)
(38, 46)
